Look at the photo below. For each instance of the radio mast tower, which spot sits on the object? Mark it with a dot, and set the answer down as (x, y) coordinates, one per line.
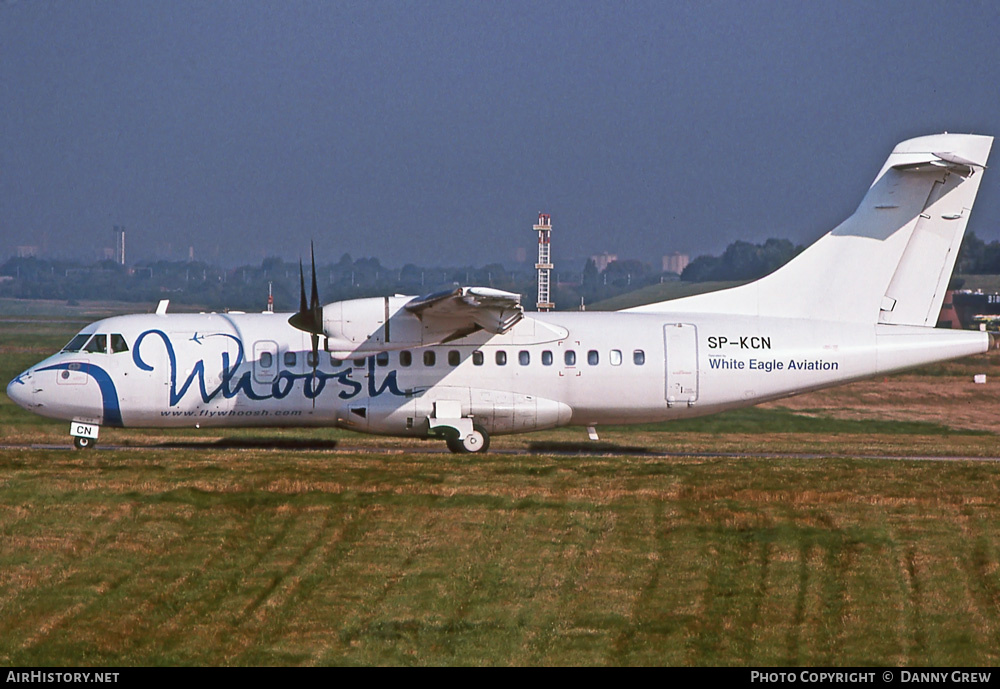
(544, 265)
(120, 244)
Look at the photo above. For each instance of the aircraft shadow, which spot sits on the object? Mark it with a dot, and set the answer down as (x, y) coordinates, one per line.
(587, 447)
(255, 444)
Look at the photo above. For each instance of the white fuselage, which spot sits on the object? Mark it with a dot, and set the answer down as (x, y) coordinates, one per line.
(552, 369)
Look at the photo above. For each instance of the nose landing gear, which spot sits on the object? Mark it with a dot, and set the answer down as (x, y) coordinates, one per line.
(84, 435)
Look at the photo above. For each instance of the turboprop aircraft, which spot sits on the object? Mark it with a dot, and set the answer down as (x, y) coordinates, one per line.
(469, 362)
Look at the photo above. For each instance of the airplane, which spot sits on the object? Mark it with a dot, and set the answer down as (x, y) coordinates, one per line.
(467, 363)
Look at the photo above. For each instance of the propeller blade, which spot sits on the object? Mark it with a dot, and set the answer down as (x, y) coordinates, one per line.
(302, 289)
(310, 315)
(314, 301)
(315, 363)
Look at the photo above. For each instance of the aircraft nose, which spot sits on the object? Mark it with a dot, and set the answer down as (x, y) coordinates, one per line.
(19, 390)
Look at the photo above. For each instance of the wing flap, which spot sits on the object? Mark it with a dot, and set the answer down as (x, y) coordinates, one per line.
(493, 310)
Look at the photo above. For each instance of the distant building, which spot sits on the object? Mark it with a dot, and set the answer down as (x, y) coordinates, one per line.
(675, 262)
(27, 251)
(948, 317)
(603, 260)
(970, 309)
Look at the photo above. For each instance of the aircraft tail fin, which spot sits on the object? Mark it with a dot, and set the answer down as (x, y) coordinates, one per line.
(891, 261)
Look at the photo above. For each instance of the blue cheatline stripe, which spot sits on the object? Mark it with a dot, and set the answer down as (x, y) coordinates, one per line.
(109, 393)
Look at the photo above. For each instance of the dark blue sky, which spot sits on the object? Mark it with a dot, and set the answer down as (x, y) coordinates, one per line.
(433, 132)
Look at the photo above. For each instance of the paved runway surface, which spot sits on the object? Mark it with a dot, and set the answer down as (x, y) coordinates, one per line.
(549, 451)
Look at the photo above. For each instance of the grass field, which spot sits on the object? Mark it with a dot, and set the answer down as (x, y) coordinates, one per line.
(664, 291)
(772, 536)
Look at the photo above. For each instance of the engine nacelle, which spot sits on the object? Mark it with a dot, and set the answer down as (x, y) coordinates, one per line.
(375, 324)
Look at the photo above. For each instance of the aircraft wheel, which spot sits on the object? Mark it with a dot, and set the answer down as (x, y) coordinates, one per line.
(82, 443)
(476, 442)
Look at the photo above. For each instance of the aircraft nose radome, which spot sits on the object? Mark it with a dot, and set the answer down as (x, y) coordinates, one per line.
(19, 391)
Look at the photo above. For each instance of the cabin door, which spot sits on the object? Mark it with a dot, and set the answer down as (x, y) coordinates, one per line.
(680, 342)
(265, 361)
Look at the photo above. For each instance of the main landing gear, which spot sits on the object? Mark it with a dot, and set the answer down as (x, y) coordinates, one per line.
(461, 433)
(477, 441)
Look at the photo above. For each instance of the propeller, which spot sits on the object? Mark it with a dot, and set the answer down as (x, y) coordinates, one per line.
(309, 317)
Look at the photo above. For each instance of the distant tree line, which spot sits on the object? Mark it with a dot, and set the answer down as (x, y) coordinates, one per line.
(742, 261)
(745, 261)
(245, 287)
(976, 257)
(617, 278)
(242, 288)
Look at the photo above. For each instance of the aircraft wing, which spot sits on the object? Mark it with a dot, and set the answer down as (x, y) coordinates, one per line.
(467, 309)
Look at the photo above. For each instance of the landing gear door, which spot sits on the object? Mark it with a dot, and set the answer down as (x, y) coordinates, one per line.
(681, 349)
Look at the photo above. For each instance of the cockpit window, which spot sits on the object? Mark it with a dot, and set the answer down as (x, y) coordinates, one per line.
(76, 344)
(118, 343)
(98, 345)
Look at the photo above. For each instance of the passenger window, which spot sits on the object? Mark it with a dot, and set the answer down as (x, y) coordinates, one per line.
(570, 357)
(429, 357)
(546, 358)
(454, 358)
(523, 357)
(98, 345)
(335, 362)
(118, 343)
(382, 359)
(501, 357)
(361, 361)
(592, 357)
(266, 359)
(289, 359)
(76, 344)
(477, 358)
(616, 357)
(405, 358)
(312, 359)
(638, 357)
